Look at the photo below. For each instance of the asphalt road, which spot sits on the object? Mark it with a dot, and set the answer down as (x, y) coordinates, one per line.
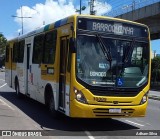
(27, 114)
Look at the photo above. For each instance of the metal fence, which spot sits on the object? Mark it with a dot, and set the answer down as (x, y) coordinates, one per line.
(135, 4)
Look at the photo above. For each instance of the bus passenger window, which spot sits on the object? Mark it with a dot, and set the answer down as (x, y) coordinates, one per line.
(15, 52)
(21, 51)
(37, 49)
(7, 53)
(50, 47)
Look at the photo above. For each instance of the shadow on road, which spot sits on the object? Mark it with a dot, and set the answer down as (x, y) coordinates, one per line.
(39, 113)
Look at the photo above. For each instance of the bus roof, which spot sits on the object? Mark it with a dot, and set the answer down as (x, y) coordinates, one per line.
(68, 20)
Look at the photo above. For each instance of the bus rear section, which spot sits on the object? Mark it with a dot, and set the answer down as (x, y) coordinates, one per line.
(110, 69)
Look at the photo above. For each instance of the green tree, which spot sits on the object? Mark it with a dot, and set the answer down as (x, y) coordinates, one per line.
(155, 71)
(3, 43)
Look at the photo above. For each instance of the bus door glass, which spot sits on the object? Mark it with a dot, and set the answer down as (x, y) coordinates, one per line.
(11, 66)
(27, 68)
(63, 68)
(7, 66)
(35, 67)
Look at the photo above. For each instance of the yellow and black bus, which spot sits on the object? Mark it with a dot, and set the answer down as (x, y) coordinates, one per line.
(83, 66)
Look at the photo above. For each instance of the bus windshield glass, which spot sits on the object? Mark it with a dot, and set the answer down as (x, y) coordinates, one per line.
(112, 62)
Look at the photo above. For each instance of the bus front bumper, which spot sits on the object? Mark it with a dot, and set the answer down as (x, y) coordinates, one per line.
(80, 110)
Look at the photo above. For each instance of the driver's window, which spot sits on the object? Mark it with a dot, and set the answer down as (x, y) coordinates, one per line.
(137, 56)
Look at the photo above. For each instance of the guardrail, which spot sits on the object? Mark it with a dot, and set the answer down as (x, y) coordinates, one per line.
(136, 4)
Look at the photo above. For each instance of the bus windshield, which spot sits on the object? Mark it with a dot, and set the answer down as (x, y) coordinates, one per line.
(127, 65)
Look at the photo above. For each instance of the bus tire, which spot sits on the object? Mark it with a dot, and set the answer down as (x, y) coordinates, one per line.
(51, 106)
(49, 98)
(19, 95)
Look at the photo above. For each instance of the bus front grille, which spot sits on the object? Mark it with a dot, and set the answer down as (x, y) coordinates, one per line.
(104, 112)
(114, 93)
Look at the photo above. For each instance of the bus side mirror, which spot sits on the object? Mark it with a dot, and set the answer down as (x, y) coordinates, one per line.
(72, 45)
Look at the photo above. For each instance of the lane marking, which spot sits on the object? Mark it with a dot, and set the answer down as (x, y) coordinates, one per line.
(4, 103)
(89, 135)
(143, 122)
(134, 123)
(2, 80)
(3, 85)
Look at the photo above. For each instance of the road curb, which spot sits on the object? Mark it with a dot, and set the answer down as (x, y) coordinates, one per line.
(154, 97)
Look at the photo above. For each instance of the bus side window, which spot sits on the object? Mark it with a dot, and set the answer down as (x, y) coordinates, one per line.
(21, 51)
(37, 49)
(15, 52)
(7, 54)
(50, 47)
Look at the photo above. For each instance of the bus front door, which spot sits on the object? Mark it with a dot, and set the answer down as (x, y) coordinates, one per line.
(62, 75)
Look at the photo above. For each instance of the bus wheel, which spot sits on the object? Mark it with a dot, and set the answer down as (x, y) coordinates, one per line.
(51, 106)
(19, 95)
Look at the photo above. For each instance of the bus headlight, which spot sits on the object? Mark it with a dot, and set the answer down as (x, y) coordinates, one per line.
(144, 98)
(79, 96)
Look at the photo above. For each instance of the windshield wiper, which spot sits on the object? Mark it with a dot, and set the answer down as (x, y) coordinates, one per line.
(128, 53)
(105, 49)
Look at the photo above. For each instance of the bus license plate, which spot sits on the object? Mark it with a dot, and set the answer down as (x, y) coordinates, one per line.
(114, 110)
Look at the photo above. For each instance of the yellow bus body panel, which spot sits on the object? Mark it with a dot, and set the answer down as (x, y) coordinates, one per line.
(99, 111)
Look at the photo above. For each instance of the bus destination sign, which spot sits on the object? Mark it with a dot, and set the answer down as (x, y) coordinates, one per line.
(112, 27)
(116, 28)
